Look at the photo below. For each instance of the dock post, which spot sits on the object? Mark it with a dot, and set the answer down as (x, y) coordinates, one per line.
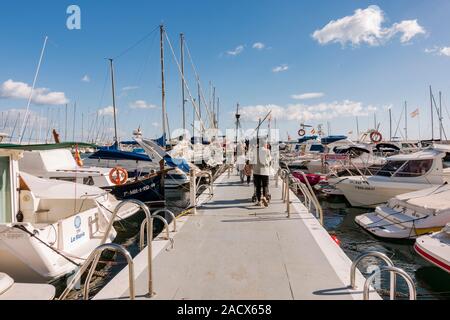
(193, 191)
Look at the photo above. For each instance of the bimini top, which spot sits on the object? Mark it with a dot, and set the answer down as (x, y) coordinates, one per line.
(430, 153)
(113, 154)
(430, 201)
(331, 139)
(307, 138)
(56, 189)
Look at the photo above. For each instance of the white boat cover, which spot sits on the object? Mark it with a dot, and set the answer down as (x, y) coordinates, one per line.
(56, 189)
(421, 155)
(435, 200)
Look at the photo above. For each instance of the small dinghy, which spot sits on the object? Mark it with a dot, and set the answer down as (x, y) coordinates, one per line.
(313, 179)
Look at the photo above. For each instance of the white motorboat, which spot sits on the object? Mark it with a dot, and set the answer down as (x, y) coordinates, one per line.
(47, 227)
(10, 290)
(409, 215)
(346, 157)
(401, 174)
(435, 248)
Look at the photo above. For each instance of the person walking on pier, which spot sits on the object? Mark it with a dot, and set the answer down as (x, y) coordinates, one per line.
(248, 171)
(261, 172)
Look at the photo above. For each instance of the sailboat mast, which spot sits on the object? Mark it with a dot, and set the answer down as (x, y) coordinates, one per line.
(183, 100)
(432, 118)
(406, 120)
(163, 85)
(440, 115)
(114, 101)
(390, 124)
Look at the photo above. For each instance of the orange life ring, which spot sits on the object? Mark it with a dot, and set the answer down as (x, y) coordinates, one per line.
(301, 132)
(376, 137)
(118, 175)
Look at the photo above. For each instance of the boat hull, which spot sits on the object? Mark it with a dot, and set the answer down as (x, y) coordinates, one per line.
(145, 189)
(370, 195)
(29, 258)
(435, 249)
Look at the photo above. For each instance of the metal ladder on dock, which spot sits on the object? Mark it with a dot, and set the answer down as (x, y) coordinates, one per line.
(94, 257)
(394, 271)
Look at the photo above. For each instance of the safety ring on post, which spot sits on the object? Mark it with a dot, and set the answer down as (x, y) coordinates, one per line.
(118, 175)
(376, 137)
(301, 132)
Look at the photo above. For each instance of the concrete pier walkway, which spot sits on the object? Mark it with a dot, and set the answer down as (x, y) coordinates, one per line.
(233, 250)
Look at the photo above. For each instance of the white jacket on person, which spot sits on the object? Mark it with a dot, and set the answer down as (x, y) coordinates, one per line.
(262, 162)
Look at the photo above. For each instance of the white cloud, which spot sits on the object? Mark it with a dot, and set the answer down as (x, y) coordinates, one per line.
(302, 112)
(11, 89)
(129, 88)
(258, 46)
(365, 26)
(86, 78)
(155, 124)
(238, 50)
(141, 104)
(283, 67)
(306, 96)
(440, 51)
(107, 111)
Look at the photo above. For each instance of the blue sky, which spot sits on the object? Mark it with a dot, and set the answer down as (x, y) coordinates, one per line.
(355, 74)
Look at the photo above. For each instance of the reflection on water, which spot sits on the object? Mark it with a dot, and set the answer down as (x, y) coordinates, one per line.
(431, 282)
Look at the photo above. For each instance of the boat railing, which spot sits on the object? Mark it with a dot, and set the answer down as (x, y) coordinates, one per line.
(149, 224)
(409, 281)
(194, 187)
(308, 192)
(93, 260)
(305, 188)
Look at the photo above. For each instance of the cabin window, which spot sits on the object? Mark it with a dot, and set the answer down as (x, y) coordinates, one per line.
(317, 148)
(415, 168)
(88, 181)
(446, 161)
(5, 191)
(67, 179)
(390, 168)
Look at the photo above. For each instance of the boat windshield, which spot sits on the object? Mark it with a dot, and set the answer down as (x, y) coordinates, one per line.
(5, 190)
(390, 168)
(415, 168)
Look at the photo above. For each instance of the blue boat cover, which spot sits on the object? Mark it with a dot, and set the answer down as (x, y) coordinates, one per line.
(331, 139)
(177, 163)
(114, 154)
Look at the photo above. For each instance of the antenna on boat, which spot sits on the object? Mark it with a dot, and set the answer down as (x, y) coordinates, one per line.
(113, 101)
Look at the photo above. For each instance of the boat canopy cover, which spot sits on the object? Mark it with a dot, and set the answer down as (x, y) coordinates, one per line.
(331, 139)
(431, 200)
(391, 146)
(52, 146)
(112, 154)
(56, 189)
(346, 150)
(307, 138)
(158, 153)
(426, 154)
